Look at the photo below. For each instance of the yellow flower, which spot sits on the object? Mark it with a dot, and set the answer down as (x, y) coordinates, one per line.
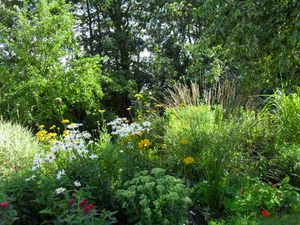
(52, 135)
(52, 127)
(65, 121)
(128, 109)
(101, 110)
(41, 135)
(138, 96)
(188, 160)
(144, 144)
(183, 142)
(66, 133)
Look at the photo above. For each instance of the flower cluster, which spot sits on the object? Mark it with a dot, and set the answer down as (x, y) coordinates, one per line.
(85, 207)
(121, 128)
(74, 143)
(44, 136)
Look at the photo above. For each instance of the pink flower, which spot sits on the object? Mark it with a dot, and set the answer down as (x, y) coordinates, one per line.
(4, 204)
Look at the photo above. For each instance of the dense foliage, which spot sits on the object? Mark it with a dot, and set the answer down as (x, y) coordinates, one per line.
(208, 99)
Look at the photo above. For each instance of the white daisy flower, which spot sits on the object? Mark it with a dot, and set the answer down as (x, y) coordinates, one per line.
(77, 183)
(30, 178)
(93, 156)
(60, 190)
(59, 174)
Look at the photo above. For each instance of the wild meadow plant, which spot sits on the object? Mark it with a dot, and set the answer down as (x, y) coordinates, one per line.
(17, 148)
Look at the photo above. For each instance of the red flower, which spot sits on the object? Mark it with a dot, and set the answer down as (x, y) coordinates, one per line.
(265, 213)
(83, 203)
(91, 206)
(87, 208)
(71, 202)
(4, 204)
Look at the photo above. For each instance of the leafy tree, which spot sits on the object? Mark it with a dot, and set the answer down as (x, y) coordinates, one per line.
(44, 77)
(259, 40)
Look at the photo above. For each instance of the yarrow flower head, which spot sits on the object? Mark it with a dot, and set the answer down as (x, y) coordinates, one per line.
(188, 160)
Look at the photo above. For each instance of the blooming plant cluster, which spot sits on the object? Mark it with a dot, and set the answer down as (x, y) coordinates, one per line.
(46, 136)
(264, 199)
(121, 127)
(75, 144)
(77, 209)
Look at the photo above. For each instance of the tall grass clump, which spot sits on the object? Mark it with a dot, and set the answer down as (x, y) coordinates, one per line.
(202, 142)
(285, 110)
(17, 148)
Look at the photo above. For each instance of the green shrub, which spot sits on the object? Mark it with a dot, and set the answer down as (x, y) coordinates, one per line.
(17, 148)
(257, 196)
(154, 198)
(248, 220)
(286, 162)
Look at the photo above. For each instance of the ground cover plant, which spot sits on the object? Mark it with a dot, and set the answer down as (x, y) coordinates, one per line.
(149, 112)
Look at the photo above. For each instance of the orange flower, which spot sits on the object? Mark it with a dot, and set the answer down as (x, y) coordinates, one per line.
(265, 213)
